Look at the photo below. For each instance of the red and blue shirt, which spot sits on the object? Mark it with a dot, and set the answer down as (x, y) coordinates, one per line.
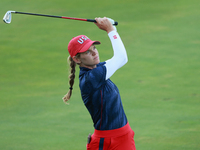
(102, 99)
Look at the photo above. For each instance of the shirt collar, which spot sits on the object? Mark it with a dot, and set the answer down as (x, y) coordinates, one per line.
(83, 70)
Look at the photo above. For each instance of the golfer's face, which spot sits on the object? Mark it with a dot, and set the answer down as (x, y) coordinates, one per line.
(90, 58)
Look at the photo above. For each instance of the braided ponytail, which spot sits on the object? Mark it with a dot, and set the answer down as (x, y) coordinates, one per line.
(71, 79)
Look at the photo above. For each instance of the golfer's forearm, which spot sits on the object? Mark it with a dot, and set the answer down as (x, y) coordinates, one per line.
(120, 56)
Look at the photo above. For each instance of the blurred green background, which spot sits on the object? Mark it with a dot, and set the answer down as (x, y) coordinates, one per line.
(159, 86)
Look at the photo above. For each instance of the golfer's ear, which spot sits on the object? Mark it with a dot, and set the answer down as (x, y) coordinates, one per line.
(76, 59)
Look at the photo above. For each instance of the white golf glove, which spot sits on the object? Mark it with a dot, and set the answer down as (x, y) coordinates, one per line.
(112, 21)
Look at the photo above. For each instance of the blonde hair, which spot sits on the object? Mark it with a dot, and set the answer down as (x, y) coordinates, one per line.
(71, 79)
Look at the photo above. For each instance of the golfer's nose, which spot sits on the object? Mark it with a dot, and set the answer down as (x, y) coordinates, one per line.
(94, 52)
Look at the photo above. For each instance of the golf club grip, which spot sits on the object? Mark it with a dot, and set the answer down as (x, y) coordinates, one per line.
(92, 20)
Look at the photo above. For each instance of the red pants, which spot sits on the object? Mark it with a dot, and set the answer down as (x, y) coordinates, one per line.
(117, 139)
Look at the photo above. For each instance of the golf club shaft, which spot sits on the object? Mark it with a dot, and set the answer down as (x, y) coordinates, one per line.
(80, 19)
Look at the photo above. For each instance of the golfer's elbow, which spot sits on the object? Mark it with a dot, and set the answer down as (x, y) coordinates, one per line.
(126, 59)
(123, 60)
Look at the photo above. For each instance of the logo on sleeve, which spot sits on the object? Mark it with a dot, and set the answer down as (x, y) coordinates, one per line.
(115, 36)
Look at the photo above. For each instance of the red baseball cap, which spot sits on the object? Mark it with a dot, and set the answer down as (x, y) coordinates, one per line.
(80, 44)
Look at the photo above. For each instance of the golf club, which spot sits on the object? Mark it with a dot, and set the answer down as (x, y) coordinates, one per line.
(7, 17)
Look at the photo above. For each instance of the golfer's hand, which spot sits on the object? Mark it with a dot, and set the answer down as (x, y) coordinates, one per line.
(104, 24)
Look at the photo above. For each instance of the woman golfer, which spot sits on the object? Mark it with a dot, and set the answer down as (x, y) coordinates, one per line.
(100, 95)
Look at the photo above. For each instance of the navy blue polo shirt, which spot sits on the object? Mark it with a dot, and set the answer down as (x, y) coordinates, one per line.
(102, 99)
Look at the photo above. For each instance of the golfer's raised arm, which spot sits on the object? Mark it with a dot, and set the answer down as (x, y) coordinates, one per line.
(120, 56)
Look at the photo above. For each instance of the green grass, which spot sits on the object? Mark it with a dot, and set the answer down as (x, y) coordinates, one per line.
(160, 85)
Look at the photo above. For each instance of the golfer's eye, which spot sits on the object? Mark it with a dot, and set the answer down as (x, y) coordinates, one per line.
(87, 52)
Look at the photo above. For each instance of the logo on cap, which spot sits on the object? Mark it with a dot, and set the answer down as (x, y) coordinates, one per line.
(82, 39)
(80, 44)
